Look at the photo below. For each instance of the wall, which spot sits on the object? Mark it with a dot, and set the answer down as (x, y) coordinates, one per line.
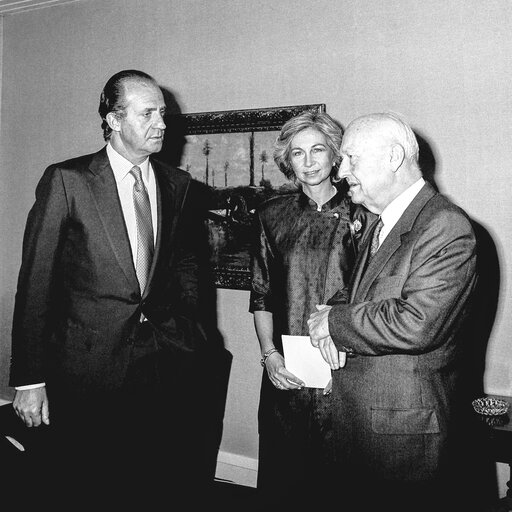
(444, 65)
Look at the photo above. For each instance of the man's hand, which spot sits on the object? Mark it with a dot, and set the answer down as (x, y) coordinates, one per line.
(319, 333)
(318, 324)
(330, 353)
(31, 405)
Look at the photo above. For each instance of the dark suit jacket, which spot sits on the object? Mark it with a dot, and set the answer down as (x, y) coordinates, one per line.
(78, 301)
(396, 395)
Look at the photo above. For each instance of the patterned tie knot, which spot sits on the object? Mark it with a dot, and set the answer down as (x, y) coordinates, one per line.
(136, 172)
(375, 238)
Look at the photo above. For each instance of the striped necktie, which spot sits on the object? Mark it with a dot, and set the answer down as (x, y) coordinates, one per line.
(144, 228)
(375, 238)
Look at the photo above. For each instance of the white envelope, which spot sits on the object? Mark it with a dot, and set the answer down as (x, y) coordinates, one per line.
(305, 361)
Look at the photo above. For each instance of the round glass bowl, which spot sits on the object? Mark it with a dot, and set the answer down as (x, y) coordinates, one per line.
(490, 406)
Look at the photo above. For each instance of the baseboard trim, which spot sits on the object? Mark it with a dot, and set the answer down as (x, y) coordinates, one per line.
(236, 469)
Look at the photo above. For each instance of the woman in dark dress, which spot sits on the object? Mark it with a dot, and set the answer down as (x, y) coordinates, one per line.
(304, 254)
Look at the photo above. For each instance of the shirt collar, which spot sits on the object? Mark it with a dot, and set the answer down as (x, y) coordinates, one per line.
(121, 166)
(394, 210)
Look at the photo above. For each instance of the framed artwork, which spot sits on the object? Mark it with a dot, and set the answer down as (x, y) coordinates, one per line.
(231, 153)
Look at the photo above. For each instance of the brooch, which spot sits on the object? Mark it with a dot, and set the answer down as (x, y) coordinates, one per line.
(355, 226)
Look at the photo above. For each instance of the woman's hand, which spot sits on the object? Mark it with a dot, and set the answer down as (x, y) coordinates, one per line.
(279, 375)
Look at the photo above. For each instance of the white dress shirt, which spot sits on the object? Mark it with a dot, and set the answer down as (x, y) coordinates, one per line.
(124, 181)
(394, 210)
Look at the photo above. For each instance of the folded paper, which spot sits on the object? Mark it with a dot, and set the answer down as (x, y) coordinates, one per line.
(305, 361)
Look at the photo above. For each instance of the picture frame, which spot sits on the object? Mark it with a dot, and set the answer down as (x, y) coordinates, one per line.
(231, 153)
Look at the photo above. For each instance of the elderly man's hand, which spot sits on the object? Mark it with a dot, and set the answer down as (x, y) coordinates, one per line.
(318, 324)
(330, 353)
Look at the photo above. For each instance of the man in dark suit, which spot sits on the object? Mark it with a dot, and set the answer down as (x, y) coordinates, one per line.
(105, 337)
(396, 392)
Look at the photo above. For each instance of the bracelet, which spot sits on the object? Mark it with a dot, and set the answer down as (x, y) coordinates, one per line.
(266, 354)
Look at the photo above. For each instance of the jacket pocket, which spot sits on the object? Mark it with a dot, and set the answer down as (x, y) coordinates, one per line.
(404, 421)
(79, 338)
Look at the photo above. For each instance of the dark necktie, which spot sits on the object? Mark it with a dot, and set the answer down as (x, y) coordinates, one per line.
(144, 228)
(375, 238)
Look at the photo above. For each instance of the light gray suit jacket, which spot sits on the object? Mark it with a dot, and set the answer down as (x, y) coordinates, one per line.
(395, 396)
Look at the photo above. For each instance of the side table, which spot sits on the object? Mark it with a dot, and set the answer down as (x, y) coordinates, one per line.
(500, 445)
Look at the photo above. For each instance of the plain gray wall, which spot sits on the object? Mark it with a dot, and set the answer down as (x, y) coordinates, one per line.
(444, 65)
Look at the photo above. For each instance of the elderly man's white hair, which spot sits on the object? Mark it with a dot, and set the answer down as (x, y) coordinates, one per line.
(401, 132)
(395, 129)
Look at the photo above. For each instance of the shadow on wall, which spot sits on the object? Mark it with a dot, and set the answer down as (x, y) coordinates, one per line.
(215, 361)
(6, 311)
(486, 295)
(478, 470)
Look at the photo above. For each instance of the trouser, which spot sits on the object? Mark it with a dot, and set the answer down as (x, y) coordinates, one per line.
(140, 443)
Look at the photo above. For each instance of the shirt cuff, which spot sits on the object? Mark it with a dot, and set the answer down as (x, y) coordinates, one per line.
(30, 386)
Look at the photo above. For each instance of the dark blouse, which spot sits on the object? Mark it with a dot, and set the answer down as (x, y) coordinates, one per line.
(302, 257)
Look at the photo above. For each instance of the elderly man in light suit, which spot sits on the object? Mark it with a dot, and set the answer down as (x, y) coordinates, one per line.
(394, 347)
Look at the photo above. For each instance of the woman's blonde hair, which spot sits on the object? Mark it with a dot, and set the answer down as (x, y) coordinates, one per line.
(324, 123)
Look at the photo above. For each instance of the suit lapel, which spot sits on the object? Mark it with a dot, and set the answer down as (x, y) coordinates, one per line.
(362, 258)
(167, 216)
(364, 279)
(103, 188)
